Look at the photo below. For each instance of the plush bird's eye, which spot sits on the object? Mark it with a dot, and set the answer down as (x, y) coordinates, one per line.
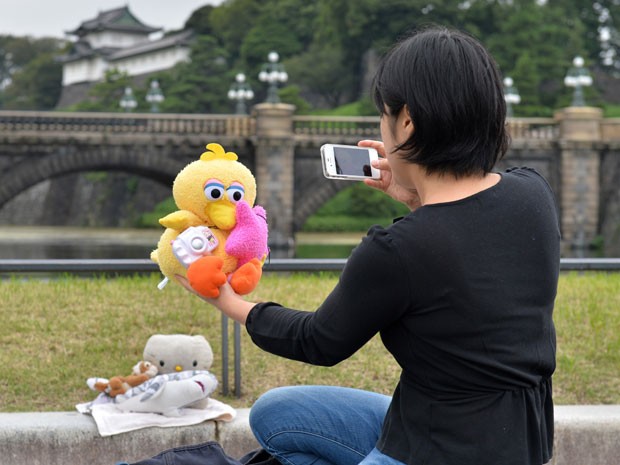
(235, 192)
(214, 189)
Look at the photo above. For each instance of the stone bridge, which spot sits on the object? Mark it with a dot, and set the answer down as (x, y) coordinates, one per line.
(578, 151)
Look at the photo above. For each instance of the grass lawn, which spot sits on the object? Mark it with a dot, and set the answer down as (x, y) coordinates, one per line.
(55, 333)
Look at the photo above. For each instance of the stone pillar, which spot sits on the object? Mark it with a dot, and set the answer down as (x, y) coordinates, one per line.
(275, 173)
(580, 135)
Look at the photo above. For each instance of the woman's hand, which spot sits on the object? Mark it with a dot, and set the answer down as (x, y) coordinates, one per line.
(228, 302)
(387, 183)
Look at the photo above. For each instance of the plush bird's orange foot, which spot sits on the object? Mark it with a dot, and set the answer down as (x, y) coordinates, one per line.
(245, 279)
(205, 276)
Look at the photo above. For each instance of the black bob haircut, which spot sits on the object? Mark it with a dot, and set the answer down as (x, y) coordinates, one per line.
(452, 89)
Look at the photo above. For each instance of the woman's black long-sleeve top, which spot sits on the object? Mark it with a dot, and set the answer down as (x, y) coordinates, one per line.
(462, 294)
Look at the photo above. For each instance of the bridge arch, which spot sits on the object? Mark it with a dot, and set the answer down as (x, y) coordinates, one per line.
(313, 200)
(158, 166)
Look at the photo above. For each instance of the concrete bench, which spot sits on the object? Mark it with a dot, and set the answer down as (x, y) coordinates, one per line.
(584, 435)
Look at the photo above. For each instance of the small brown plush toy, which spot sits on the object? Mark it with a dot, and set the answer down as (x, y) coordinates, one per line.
(116, 385)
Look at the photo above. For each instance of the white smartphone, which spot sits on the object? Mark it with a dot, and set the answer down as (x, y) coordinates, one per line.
(349, 162)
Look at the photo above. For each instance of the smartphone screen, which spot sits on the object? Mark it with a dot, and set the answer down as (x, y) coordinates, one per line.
(352, 161)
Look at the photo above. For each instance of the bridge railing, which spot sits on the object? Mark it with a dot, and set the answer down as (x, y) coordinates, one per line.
(610, 129)
(343, 128)
(334, 127)
(362, 127)
(533, 128)
(126, 123)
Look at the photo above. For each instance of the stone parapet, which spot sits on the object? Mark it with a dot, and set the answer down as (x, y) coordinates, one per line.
(584, 435)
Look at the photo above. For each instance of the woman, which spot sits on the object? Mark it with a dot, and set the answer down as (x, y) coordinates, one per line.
(461, 290)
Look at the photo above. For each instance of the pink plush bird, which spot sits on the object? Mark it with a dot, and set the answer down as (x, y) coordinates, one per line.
(248, 238)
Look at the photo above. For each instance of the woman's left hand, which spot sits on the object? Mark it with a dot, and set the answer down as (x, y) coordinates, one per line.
(387, 183)
(228, 302)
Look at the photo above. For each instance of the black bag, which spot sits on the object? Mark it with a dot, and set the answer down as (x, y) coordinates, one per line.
(208, 453)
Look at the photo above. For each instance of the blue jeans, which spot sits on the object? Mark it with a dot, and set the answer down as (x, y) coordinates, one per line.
(321, 425)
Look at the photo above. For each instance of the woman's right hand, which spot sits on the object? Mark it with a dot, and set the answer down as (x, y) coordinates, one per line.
(387, 183)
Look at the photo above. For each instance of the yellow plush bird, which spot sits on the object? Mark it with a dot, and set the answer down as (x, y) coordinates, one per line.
(217, 235)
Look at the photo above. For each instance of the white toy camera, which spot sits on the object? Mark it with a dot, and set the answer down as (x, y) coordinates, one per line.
(193, 243)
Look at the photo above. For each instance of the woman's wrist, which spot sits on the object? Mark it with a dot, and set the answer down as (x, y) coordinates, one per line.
(232, 304)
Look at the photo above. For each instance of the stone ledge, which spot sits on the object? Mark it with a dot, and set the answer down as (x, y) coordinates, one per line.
(55, 438)
(587, 435)
(584, 435)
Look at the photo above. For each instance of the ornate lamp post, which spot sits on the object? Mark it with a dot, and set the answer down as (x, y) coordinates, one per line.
(273, 73)
(578, 77)
(154, 96)
(511, 95)
(128, 101)
(240, 91)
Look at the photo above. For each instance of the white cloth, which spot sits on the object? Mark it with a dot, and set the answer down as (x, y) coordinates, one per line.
(110, 420)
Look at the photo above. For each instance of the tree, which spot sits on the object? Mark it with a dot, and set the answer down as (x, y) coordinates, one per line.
(527, 80)
(200, 21)
(322, 72)
(602, 40)
(200, 86)
(36, 86)
(550, 39)
(355, 26)
(232, 19)
(19, 56)
(106, 95)
(292, 95)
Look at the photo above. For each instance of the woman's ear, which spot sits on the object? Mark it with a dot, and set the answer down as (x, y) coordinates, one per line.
(407, 122)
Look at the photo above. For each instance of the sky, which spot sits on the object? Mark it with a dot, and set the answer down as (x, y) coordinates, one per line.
(52, 18)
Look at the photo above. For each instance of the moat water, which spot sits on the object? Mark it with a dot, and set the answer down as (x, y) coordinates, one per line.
(48, 242)
(51, 242)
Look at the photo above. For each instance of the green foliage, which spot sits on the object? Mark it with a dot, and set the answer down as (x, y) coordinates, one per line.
(323, 72)
(343, 223)
(362, 107)
(30, 79)
(200, 86)
(526, 74)
(151, 219)
(250, 29)
(36, 85)
(535, 45)
(611, 111)
(106, 95)
(232, 19)
(355, 208)
(291, 94)
(361, 200)
(97, 176)
(200, 21)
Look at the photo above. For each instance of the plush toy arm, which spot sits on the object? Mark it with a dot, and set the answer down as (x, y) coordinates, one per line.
(167, 394)
(245, 279)
(180, 220)
(97, 384)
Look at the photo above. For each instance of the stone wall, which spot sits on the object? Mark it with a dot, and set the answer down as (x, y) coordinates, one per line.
(111, 199)
(610, 202)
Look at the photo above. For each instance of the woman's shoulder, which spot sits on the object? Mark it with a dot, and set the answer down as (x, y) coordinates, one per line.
(384, 241)
(394, 238)
(527, 174)
(522, 172)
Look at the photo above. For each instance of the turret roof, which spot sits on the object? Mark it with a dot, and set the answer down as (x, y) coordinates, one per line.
(118, 19)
